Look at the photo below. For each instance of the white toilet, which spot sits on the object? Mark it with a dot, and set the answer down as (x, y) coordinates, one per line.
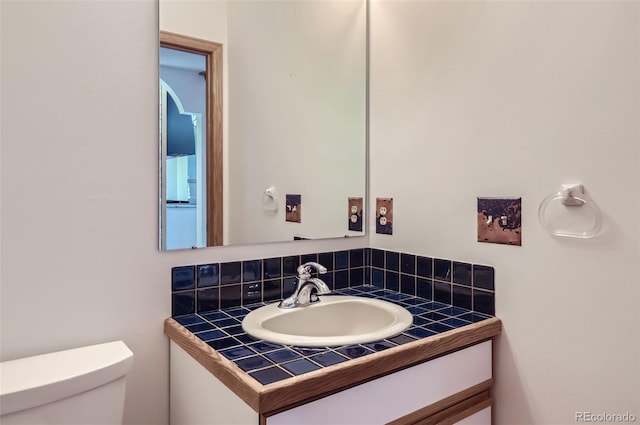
(82, 386)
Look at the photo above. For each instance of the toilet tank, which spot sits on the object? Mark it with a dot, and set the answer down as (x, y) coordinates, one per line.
(79, 386)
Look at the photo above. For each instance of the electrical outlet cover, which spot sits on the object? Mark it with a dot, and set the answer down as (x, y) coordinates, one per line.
(293, 208)
(355, 214)
(384, 216)
(500, 220)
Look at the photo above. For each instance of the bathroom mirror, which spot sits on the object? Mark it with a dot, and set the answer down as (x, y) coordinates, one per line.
(293, 148)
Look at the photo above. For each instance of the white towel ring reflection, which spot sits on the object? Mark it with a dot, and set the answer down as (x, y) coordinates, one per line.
(571, 195)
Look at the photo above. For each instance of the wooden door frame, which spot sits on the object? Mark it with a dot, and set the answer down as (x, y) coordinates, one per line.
(213, 53)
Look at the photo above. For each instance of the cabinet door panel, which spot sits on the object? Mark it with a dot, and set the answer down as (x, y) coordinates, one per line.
(389, 397)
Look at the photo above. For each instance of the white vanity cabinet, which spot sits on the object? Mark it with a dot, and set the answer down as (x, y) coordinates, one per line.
(452, 388)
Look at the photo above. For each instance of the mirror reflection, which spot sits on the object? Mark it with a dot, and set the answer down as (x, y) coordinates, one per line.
(276, 149)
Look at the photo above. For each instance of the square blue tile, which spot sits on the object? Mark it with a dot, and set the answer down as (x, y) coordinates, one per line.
(379, 345)
(326, 259)
(182, 303)
(212, 334)
(225, 322)
(419, 320)
(461, 296)
(251, 270)
(408, 284)
(253, 362)
(222, 343)
(442, 292)
(199, 327)
(392, 281)
(341, 279)
(456, 322)
(356, 276)
(420, 332)
(483, 277)
(417, 309)
(245, 338)
(208, 299)
(237, 352)
(356, 258)
(230, 272)
(328, 358)
(462, 273)
(251, 293)
(408, 263)
(234, 330)
(341, 260)
(189, 319)
(182, 278)
(434, 316)
(270, 375)
(401, 339)
(484, 301)
(272, 290)
(354, 351)
(208, 275)
(280, 356)
(272, 268)
(377, 258)
(298, 367)
(392, 261)
(263, 346)
(442, 269)
(214, 315)
(424, 288)
(237, 312)
(438, 327)
(290, 265)
(424, 267)
(230, 296)
(452, 311)
(474, 317)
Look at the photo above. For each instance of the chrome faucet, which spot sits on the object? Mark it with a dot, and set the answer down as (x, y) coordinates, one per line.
(304, 293)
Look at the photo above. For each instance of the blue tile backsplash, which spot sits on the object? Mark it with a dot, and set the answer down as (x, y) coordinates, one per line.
(209, 287)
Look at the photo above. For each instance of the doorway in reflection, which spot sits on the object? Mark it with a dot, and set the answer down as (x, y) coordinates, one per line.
(183, 148)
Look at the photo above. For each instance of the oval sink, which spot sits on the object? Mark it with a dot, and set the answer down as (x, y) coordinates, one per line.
(335, 320)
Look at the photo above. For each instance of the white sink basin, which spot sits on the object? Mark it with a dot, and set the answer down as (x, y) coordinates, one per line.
(335, 320)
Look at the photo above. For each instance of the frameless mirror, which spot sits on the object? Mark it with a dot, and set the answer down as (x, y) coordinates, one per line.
(262, 121)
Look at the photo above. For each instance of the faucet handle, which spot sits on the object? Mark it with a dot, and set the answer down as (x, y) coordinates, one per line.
(304, 271)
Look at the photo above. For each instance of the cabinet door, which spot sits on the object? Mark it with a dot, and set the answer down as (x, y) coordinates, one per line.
(389, 397)
(197, 397)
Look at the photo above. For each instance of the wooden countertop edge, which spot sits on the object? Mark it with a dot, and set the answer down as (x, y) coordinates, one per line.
(273, 398)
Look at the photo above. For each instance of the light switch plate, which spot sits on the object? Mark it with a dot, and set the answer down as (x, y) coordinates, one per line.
(384, 216)
(355, 214)
(500, 220)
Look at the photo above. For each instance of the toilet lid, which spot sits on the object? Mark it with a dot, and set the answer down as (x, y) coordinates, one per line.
(34, 381)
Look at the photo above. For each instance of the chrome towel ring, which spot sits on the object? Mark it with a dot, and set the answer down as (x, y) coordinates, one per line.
(571, 195)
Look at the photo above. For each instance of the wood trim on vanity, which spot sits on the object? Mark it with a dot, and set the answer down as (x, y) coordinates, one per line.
(273, 398)
(452, 406)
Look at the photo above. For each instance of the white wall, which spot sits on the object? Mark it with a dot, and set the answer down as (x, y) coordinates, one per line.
(452, 85)
(79, 190)
(513, 99)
